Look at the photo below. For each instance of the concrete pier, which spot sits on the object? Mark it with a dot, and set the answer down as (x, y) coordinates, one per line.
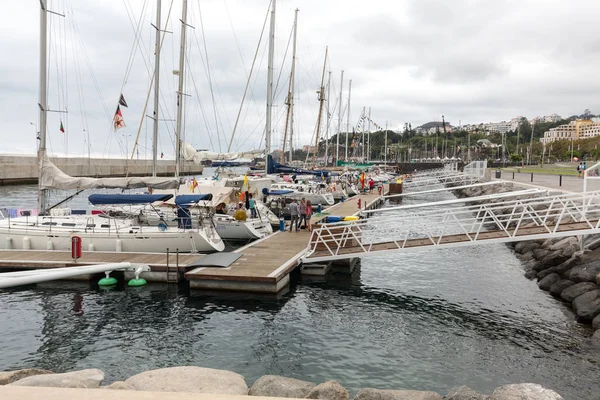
(16, 169)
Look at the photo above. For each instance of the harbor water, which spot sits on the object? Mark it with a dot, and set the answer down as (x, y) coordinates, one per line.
(423, 321)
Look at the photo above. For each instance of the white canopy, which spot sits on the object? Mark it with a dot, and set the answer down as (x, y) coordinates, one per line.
(189, 153)
(51, 177)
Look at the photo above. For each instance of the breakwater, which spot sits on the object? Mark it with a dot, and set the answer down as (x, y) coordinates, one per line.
(24, 169)
(191, 379)
(566, 267)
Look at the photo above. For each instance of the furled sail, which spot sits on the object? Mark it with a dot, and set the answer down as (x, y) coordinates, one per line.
(51, 177)
(189, 153)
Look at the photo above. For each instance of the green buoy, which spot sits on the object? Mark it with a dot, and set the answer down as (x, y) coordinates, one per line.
(137, 282)
(108, 281)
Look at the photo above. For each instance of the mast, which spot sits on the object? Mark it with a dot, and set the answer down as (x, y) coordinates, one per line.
(328, 119)
(385, 144)
(362, 128)
(180, 90)
(369, 137)
(321, 93)
(339, 130)
(530, 156)
(290, 98)
(156, 88)
(270, 87)
(348, 117)
(43, 100)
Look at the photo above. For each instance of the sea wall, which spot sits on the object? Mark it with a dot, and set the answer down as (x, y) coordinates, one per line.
(559, 265)
(229, 385)
(24, 169)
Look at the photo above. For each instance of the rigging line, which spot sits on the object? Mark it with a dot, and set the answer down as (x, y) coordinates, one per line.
(249, 77)
(212, 93)
(283, 63)
(162, 39)
(137, 33)
(200, 105)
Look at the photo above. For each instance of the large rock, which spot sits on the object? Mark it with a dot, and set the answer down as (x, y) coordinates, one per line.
(571, 250)
(531, 274)
(379, 394)
(524, 391)
(596, 322)
(576, 290)
(598, 279)
(190, 379)
(465, 393)
(330, 390)
(7, 377)
(540, 253)
(279, 386)
(525, 247)
(87, 378)
(553, 259)
(563, 243)
(586, 272)
(558, 287)
(587, 306)
(119, 385)
(548, 281)
(596, 337)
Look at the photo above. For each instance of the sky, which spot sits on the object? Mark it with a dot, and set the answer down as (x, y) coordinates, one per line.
(410, 61)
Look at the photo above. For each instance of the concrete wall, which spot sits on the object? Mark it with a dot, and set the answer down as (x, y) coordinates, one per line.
(24, 169)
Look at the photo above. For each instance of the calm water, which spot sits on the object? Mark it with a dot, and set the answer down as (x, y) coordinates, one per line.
(423, 321)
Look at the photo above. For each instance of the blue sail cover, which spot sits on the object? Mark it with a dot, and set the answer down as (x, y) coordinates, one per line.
(127, 198)
(183, 199)
(277, 168)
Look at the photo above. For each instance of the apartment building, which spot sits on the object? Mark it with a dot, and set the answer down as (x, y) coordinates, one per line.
(574, 130)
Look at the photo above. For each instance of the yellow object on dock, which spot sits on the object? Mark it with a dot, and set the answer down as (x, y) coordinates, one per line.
(351, 218)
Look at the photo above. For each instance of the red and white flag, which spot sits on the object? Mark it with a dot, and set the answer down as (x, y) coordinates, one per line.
(118, 121)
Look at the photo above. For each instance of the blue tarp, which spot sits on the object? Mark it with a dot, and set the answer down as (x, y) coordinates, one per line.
(127, 198)
(277, 168)
(192, 198)
(266, 192)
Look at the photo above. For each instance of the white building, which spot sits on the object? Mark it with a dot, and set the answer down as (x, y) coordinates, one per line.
(574, 130)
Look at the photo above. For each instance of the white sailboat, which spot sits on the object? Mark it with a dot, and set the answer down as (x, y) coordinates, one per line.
(99, 232)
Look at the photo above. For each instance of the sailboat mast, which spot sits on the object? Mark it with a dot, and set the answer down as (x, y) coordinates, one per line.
(369, 138)
(156, 87)
(43, 100)
(339, 130)
(321, 100)
(328, 119)
(270, 87)
(180, 90)
(290, 98)
(348, 117)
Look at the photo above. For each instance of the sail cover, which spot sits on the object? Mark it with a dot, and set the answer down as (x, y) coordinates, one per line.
(51, 177)
(189, 153)
(97, 199)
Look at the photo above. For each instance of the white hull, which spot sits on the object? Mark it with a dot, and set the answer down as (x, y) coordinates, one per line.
(231, 229)
(27, 234)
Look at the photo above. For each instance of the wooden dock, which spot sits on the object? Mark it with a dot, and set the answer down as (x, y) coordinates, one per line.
(266, 264)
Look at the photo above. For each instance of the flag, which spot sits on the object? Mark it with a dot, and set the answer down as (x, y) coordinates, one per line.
(122, 101)
(194, 185)
(245, 181)
(62, 128)
(162, 154)
(118, 121)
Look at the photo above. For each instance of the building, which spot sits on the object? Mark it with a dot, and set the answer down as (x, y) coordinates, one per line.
(574, 130)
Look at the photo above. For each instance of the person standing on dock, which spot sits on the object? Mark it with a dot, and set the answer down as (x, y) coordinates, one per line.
(302, 211)
(293, 215)
(371, 185)
(308, 214)
(579, 168)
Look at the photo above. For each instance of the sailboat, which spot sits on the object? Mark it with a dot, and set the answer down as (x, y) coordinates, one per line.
(52, 230)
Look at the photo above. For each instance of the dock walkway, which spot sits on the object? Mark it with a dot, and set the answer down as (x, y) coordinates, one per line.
(266, 263)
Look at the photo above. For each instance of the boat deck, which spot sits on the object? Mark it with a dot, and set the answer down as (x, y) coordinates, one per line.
(266, 263)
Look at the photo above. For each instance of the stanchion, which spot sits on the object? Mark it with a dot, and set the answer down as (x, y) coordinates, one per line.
(532, 177)
(560, 180)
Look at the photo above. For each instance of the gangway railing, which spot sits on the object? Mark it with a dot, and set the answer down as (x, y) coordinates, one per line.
(472, 173)
(438, 226)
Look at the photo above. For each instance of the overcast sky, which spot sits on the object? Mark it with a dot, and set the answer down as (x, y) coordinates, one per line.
(409, 60)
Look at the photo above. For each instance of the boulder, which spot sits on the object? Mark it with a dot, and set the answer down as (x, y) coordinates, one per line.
(549, 242)
(465, 393)
(279, 386)
(559, 286)
(576, 290)
(596, 337)
(526, 246)
(553, 259)
(87, 378)
(571, 250)
(7, 377)
(531, 274)
(119, 385)
(587, 306)
(191, 380)
(585, 272)
(598, 279)
(330, 390)
(540, 253)
(524, 391)
(379, 394)
(563, 243)
(596, 322)
(525, 256)
(548, 281)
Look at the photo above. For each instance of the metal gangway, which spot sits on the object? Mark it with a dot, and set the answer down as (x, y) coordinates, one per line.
(12, 279)
(425, 180)
(437, 225)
